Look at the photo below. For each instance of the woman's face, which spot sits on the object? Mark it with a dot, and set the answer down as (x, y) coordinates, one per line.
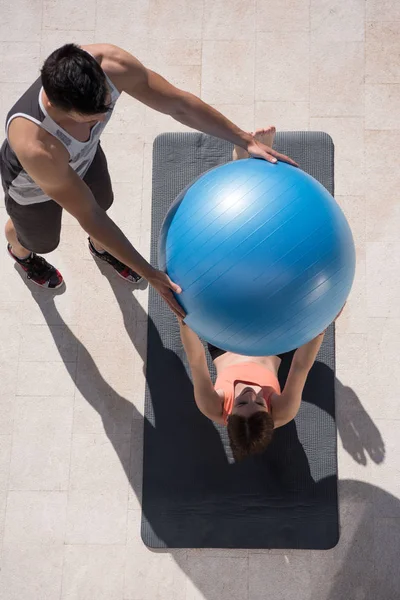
(248, 400)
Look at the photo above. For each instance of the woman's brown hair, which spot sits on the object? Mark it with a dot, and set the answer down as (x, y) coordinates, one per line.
(251, 435)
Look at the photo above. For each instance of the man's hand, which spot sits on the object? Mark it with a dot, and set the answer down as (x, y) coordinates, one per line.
(164, 286)
(259, 150)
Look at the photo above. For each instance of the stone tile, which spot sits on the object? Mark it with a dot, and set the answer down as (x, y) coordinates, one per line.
(387, 547)
(113, 337)
(286, 116)
(21, 21)
(382, 106)
(184, 18)
(123, 24)
(10, 330)
(381, 46)
(40, 457)
(3, 505)
(124, 155)
(348, 137)
(383, 263)
(353, 554)
(382, 10)
(354, 208)
(383, 208)
(18, 288)
(212, 576)
(234, 84)
(40, 343)
(102, 414)
(134, 540)
(155, 575)
(19, 62)
(54, 38)
(283, 15)
(147, 182)
(323, 571)
(103, 376)
(359, 433)
(240, 114)
(337, 20)
(101, 305)
(282, 67)
(385, 477)
(97, 518)
(383, 374)
(351, 351)
(7, 405)
(156, 123)
(46, 378)
(288, 575)
(331, 63)
(136, 466)
(75, 15)
(99, 463)
(158, 53)
(93, 572)
(5, 456)
(57, 310)
(8, 378)
(32, 571)
(235, 23)
(35, 518)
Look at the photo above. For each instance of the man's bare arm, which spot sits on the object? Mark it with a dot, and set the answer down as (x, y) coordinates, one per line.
(132, 77)
(48, 166)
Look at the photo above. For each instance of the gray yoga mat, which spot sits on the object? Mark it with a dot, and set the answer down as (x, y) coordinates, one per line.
(194, 495)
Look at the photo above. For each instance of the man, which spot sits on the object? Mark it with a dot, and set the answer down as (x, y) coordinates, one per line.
(52, 159)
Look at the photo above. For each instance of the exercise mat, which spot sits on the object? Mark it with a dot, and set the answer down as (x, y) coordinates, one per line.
(194, 495)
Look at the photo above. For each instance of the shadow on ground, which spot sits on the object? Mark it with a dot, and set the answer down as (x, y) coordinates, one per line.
(362, 566)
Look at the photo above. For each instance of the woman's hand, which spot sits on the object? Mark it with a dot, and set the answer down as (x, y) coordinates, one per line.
(164, 286)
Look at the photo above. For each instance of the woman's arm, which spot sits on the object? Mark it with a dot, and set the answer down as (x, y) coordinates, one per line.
(206, 398)
(286, 406)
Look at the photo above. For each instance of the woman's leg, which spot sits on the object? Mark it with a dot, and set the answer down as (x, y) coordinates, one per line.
(266, 136)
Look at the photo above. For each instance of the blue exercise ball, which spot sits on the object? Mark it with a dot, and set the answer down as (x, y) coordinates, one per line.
(263, 253)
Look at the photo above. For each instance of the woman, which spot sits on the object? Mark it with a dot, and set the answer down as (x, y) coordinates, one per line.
(247, 396)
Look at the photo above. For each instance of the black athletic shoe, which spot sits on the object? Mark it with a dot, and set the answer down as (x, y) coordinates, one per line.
(122, 270)
(39, 270)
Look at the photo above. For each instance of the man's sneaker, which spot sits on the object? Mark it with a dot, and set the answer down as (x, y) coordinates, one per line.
(39, 270)
(123, 271)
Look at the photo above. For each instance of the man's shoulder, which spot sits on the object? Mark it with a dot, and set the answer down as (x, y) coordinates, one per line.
(31, 142)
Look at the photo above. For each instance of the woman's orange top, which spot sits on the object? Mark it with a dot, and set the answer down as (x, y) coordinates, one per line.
(246, 372)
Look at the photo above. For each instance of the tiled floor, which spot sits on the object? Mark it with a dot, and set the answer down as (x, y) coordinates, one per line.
(71, 381)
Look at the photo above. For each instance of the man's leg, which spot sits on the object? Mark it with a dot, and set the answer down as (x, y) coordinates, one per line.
(266, 136)
(98, 180)
(16, 248)
(31, 229)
